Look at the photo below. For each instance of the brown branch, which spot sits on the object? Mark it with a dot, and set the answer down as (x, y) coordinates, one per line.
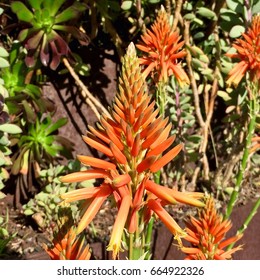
(89, 98)
(177, 14)
(191, 76)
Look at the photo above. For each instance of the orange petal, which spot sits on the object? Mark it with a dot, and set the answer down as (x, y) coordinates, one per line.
(104, 191)
(145, 164)
(156, 166)
(118, 228)
(100, 134)
(159, 191)
(99, 163)
(119, 156)
(165, 217)
(162, 147)
(121, 180)
(84, 193)
(136, 145)
(84, 175)
(97, 145)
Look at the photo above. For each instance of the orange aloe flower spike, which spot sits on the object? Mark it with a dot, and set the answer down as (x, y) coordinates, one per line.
(248, 49)
(161, 46)
(207, 234)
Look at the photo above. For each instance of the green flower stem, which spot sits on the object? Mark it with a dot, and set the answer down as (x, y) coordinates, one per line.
(252, 114)
(148, 239)
(247, 221)
(161, 101)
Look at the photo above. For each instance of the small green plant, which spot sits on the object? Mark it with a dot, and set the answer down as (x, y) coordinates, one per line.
(45, 206)
(5, 236)
(45, 23)
(38, 146)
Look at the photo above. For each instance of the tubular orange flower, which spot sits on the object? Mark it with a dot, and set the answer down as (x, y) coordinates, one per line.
(248, 52)
(133, 138)
(162, 47)
(68, 247)
(207, 233)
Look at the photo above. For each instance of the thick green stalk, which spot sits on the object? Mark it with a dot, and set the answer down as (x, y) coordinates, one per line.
(251, 128)
(247, 221)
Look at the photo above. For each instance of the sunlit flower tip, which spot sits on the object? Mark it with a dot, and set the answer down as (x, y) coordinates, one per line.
(162, 48)
(84, 175)
(248, 52)
(166, 218)
(121, 180)
(116, 235)
(94, 162)
(207, 235)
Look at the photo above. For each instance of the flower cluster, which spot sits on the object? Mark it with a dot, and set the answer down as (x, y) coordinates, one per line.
(68, 246)
(162, 46)
(207, 235)
(248, 52)
(133, 138)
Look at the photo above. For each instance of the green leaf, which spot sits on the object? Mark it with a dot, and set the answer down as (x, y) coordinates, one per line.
(22, 12)
(3, 52)
(36, 4)
(28, 212)
(126, 5)
(224, 95)
(207, 13)
(189, 16)
(56, 6)
(256, 8)
(70, 13)
(235, 5)
(236, 31)
(4, 63)
(61, 122)
(10, 128)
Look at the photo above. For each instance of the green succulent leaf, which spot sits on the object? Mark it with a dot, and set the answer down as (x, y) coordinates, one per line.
(61, 122)
(70, 13)
(22, 12)
(3, 52)
(28, 212)
(4, 63)
(236, 31)
(10, 128)
(207, 13)
(36, 4)
(56, 6)
(126, 5)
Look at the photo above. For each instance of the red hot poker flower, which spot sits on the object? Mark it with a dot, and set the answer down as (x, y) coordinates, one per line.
(68, 247)
(248, 52)
(133, 138)
(207, 235)
(162, 46)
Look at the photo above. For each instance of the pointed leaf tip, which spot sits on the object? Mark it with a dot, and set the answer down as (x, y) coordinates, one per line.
(131, 51)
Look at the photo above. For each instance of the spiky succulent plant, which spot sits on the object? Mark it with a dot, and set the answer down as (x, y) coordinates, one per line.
(45, 22)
